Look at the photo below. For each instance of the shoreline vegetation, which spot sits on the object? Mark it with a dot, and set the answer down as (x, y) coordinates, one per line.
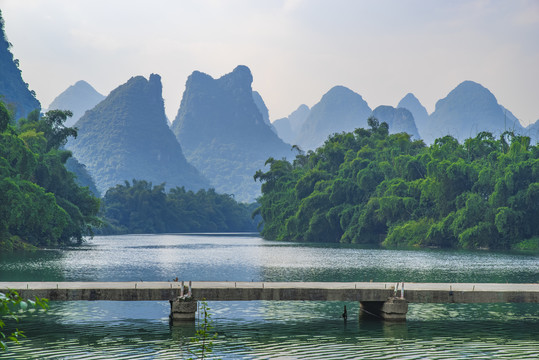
(140, 207)
(365, 187)
(41, 205)
(371, 187)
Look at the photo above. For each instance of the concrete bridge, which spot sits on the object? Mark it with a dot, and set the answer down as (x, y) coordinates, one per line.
(387, 300)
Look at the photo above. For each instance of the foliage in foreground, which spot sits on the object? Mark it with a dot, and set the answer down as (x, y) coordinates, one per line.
(40, 202)
(140, 207)
(204, 336)
(10, 304)
(371, 187)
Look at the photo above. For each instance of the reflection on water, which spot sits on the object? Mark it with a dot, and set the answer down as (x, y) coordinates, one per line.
(249, 258)
(262, 330)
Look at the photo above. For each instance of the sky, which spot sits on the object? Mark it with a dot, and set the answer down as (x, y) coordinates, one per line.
(296, 49)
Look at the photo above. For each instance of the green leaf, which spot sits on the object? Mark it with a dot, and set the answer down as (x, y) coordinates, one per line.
(14, 339)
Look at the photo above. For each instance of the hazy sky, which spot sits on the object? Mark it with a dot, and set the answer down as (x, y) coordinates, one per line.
(296, 49)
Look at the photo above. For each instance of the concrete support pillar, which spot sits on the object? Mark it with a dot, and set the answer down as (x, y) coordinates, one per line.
(393, 309)
(182, 310)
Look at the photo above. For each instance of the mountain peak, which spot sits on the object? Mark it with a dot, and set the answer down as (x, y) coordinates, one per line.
(340, 91)
(408, 98)
(81, 84)
(470, 94)
(220, 126)
(340, 109)
(155, 80)
(126, 137)
(78, 98)
(243, 71)
(420, 114)
(468, 109)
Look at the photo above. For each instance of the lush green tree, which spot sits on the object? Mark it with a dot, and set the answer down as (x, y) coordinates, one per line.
(40, 202)
(140, 207)
(372, 187)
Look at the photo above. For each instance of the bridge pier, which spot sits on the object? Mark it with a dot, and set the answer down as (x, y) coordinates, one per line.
(184, 307)
(182, 311)
(393, 309)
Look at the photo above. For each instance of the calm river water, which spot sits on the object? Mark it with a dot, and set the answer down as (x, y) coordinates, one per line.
(271, 330)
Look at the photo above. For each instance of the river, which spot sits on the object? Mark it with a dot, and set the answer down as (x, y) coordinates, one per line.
(271, 330)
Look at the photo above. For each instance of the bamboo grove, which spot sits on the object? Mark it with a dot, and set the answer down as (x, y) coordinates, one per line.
(374, 188)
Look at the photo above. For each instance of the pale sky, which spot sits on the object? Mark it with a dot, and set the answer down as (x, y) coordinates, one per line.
(296, 49)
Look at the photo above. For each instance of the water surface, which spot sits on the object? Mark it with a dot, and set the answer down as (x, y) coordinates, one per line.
(272, 330)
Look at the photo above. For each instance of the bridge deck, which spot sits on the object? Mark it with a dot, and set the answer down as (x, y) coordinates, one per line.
(306, 291)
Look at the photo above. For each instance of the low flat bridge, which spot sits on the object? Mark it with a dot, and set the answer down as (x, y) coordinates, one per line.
(373, 296)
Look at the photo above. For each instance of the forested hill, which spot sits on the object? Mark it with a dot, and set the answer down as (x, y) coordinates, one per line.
(126, 136)
(371, 187)
(223, 133)
(14, 91)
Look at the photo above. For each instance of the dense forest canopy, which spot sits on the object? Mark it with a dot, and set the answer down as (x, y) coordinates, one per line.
(140, 207)
(371, 187)
(40, 202)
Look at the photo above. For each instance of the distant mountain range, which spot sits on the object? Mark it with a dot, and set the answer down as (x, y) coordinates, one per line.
(223, 132)
(224, 129)
(468, 109)
(13, 90)
(77, 98)
(126, 137)
(341, 110)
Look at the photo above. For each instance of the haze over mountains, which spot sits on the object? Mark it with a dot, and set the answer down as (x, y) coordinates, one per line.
(261, 105)
(340, 109)
(77, 98)
(467, 110)
(289, 127)
(420, 114)
(398, 119)
(126, 137)
(532, 131)
(223, 127)
(223, 132)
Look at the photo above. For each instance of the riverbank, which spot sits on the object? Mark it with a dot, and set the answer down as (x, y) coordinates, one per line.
(15, 243)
